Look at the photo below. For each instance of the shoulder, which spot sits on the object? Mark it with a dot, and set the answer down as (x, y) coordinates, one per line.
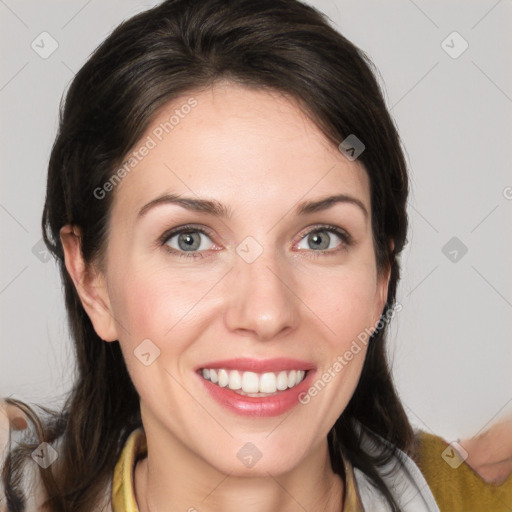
(25, 488)
(455, 485)
(26, 456)
(123, 495)
(399, 473)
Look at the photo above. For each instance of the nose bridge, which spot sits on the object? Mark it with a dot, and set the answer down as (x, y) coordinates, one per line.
(262, 298)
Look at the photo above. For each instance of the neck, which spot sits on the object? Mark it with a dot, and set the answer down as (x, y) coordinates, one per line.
(175, 480)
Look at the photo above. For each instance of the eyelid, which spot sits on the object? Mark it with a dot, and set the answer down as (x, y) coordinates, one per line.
(186, 227)
(346, 240)
(337, 230)
(345, 236)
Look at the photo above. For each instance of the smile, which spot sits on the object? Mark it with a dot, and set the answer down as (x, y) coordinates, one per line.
(247, 383)
(256, 387)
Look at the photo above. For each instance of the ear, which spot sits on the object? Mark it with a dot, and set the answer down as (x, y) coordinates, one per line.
(89, 283)
(382, 289)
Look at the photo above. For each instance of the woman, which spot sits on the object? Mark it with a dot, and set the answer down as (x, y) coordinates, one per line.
(227, 202)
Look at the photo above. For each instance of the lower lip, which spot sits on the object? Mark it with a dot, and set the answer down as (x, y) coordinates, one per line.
(263, 406)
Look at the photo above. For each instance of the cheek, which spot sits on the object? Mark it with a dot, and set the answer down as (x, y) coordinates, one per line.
(152, 308)
(155, 301)
(165, 305)
(344, 301)
(151, 304)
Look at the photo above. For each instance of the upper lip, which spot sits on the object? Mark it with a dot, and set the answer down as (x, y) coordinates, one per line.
(259, 365)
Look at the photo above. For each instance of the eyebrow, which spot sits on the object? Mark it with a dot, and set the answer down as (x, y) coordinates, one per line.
(217, 209)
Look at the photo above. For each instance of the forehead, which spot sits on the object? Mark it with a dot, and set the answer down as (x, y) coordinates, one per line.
(239, 145)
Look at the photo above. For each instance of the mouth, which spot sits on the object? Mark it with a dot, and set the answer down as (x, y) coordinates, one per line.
(248, 383)
(255, 388)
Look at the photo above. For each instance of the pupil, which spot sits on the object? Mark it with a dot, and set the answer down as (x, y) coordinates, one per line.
(188, 240)
(317, 240)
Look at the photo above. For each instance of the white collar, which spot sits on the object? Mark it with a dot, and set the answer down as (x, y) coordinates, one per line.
(402, 477)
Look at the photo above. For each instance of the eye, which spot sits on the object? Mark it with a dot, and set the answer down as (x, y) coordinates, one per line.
(321, 239)
(192, 241)
(187, 241)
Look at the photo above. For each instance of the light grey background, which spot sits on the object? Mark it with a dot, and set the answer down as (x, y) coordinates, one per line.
(451, 344)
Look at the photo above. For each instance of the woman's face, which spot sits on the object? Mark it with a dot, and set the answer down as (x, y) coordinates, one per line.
(259, 284)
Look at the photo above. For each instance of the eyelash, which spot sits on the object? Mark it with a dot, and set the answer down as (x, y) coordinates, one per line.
(343, 235)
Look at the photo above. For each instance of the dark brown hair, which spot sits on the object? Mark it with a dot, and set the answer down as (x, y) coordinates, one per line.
(178, 47)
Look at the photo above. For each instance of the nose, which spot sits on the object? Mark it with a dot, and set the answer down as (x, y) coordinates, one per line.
(262, 301)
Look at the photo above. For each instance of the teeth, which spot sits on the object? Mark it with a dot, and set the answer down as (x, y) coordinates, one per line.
(282, 381)
(223, 378)
(292, 378)
(235, 380)
(268, 383)
(252, 383)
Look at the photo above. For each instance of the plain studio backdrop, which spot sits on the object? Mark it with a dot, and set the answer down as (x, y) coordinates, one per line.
(445, 70)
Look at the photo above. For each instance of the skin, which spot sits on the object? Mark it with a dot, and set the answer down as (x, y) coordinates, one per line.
(490, 453)
(259, 154)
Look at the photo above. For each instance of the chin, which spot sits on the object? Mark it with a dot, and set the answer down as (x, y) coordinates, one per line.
(256, 459)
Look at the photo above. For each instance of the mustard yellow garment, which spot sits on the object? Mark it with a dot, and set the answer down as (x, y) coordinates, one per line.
(460, 489)
(455, 490)
(123, 496)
